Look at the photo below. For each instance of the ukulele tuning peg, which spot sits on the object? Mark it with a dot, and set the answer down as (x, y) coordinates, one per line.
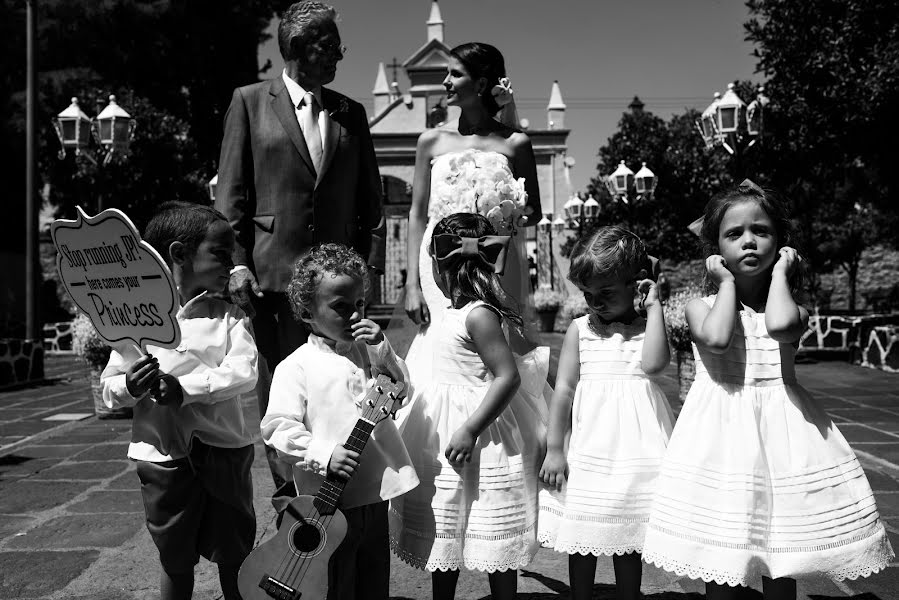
(392, 396)
(370, 403)
(384, 410)
(380, 389)
(393, 415)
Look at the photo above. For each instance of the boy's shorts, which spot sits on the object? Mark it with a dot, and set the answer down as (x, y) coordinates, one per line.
(200, 506)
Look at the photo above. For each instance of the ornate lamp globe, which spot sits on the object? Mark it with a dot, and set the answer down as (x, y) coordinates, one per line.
(708, 126)
(573, 208)
(591, 208)
(620, 180)
(645, 181)
(729, 110)
(214, 182)
(558, 225)
(114, 127)
(755, 113)
(73, 128)
(544, 224)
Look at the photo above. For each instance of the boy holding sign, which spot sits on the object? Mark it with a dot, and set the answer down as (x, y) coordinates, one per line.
(192, 445)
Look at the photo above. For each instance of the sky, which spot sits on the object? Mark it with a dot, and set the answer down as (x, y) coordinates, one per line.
(673, 54)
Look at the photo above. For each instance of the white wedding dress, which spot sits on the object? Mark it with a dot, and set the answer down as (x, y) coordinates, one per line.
(515, 277)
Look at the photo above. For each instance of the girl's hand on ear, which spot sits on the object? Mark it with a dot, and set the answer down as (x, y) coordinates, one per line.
(647, 295)
(717, 268)
(788, 261)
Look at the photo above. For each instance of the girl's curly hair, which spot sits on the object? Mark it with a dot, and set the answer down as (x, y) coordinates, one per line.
(470, 278)
(769, 201)
(325, 259)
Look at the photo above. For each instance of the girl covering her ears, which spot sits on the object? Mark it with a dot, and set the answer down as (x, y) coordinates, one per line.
(601, 489)
(475, 428)
(758, 484)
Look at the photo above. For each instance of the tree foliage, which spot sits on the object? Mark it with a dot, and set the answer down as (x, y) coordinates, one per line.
(833, 78)
(172, 65)
(685, 170)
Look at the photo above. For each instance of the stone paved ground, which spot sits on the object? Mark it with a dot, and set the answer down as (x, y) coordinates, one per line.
(71, 519)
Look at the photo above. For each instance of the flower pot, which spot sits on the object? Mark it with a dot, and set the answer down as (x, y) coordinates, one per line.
(100, 409)
(686, 372)
(547, 319)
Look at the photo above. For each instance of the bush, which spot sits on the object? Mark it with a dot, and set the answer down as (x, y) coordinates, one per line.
(574, 306)
(676, 319)
(546, 299)
(88, 344)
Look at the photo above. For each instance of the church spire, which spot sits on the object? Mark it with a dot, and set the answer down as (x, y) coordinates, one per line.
(381, 92)
(555, 110)
(435, 23)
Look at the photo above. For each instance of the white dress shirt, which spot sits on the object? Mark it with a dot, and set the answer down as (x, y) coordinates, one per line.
(215, 362)
(297, 93)
(313, 405)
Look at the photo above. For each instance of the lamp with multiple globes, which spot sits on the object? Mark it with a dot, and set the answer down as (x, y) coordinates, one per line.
(112, 129)
(622, 180)
(728, 122)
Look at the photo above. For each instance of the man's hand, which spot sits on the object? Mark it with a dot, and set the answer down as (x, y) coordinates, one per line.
(168, 391)
(367, 331)
(142, 375)
(343, 463)
(242, 286)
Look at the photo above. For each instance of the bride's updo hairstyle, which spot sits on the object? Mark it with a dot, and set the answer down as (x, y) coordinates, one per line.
(471, 278)
(482, 60)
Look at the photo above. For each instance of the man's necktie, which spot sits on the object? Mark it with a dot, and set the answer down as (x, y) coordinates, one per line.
(311, 131)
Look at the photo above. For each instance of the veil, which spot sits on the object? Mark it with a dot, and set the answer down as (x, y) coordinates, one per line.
(508, 115)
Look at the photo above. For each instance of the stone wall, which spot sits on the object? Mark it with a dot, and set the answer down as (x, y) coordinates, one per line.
(58, 338)
(21, 361)
(869, 341)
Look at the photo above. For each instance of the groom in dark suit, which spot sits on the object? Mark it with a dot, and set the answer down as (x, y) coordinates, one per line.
(297, 168)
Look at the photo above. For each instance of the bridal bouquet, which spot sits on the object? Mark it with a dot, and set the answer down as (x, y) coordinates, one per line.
(481, 182)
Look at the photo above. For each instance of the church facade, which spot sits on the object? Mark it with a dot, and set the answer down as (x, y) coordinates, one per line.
(399, 117)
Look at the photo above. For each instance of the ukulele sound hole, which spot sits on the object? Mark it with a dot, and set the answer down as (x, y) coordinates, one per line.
(307, 537)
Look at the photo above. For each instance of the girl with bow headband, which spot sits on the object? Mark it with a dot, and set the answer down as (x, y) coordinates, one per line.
(475, 427)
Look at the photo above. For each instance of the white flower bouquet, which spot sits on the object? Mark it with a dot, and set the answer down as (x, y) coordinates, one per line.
(481, 182)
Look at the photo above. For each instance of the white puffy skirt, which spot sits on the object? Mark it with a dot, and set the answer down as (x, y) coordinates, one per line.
(758, 481)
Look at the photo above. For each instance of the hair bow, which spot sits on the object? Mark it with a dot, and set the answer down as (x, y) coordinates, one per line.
(490, 250)
(502, 92)
(748, 183)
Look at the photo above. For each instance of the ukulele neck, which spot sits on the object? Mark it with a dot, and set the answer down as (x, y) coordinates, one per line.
(331, 489)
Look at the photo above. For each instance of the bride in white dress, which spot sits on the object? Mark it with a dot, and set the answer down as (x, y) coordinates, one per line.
(448, 160)
(475, 82)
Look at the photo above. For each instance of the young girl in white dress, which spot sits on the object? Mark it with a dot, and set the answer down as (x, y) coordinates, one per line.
(619, 418)
(758, 482)
(474, 429)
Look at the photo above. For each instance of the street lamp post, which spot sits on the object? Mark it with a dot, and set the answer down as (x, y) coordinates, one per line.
(730, 124)
(112, 129)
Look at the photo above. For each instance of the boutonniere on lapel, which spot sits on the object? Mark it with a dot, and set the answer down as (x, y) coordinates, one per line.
(342, 108)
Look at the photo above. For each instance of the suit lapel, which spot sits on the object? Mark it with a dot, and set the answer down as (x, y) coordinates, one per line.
(284, 108)
(332, 131)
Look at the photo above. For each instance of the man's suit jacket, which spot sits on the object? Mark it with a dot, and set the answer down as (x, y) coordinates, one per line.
(269, 191)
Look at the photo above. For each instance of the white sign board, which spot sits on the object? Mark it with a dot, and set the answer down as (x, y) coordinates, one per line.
(117, 279)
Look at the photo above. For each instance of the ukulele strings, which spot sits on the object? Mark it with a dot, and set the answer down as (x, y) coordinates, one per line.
(296, 563)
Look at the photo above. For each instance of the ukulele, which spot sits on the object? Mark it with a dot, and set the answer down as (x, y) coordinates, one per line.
(294, 563)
